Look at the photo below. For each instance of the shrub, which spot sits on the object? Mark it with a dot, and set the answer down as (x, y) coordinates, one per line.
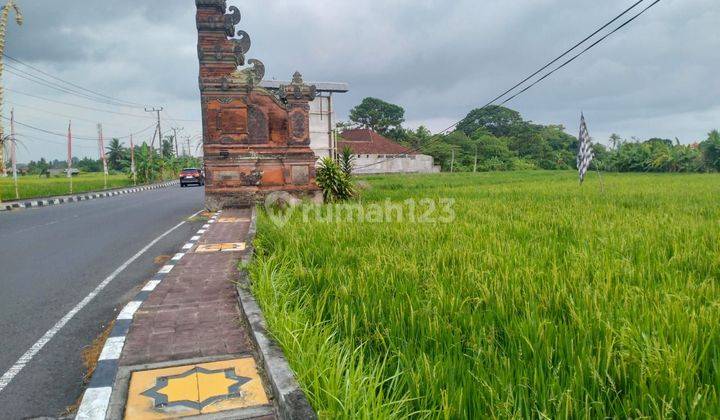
(335, 184)
(347, 161)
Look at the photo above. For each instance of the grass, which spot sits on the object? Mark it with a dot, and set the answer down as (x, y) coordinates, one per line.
(34, 186)
(541, 300)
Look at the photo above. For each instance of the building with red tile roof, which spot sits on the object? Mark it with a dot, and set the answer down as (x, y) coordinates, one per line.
(376, 154)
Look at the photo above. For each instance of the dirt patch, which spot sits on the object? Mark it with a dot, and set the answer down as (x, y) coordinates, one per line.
(162, 259)
(90, 355)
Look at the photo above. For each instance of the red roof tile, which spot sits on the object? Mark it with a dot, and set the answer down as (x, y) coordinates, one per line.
(363, 141)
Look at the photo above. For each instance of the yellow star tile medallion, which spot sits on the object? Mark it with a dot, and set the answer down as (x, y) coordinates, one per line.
(194, 389)
(232, 220)
(224, 247)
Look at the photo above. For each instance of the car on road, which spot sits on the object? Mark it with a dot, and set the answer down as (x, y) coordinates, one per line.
(190, 176)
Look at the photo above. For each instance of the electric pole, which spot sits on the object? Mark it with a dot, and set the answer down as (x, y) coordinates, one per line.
(4, 17)
(175, 138)
(476, 156)
(452, 162)
(158, 128)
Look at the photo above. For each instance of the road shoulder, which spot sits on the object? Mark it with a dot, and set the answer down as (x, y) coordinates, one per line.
(192, 343)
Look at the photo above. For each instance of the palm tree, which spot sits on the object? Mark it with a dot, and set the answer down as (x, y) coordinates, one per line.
(116, 154)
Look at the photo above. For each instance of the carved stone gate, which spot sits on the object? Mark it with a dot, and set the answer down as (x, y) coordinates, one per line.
(255, 142)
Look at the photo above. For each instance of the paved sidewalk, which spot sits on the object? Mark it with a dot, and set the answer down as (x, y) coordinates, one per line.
(189, 350)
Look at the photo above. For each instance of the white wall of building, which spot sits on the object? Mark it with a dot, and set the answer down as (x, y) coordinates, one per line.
(385, 164)
(322, 124)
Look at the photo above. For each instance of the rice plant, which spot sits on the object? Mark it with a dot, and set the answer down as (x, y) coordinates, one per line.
(542, 299)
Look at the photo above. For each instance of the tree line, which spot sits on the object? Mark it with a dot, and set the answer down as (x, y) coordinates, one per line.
(497, 138)
(151, 164)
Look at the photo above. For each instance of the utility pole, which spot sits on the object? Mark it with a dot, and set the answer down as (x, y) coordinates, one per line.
(476, 156)
(189, 152)
(101, 145)
(4, 17)
(158, 128)
(452, 162)
(158, 131)
(175, 138)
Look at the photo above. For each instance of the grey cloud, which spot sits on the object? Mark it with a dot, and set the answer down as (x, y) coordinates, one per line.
(438, 59)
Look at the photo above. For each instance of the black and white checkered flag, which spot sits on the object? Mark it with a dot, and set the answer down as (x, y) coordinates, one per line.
(585, 152)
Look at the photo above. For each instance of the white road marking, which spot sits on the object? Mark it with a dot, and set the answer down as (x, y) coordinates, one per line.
(129, 310)
(151, 285)
(195, 238)
(98, 401)
(178, 256)
(112, 349)
(166, 269)
(187, 246)
(8, 376)
(211, 221)
(201, 231)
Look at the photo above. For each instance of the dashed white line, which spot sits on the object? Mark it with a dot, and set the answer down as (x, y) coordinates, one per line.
(20, 364)
(129, 310)
(112, 349)
(99, 399)
(151, 285)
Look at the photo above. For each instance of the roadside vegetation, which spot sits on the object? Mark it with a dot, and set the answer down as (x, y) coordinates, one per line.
(541, 299)
(33, 186)
(43, 178)
(500, 139)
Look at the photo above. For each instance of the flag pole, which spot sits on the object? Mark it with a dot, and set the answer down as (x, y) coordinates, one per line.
(13, 152)
(102, 154)
(69, 156)
(132, 161)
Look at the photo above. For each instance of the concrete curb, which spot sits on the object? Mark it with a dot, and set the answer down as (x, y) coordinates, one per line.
(54, 201)
(291, 400)
(95, 402)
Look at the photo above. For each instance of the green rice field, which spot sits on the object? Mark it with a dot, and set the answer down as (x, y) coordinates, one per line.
(32, 186)
(541, 299)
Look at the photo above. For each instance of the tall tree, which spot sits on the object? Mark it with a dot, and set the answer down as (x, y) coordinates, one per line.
(115, 155)
(378, 115)
(168, 149)
(498, 120)
(711, 150)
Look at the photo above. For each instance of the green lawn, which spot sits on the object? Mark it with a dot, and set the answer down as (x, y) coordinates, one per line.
(542, 299)
(31, 186)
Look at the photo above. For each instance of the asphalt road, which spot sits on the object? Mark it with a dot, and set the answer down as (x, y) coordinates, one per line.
(50, 259)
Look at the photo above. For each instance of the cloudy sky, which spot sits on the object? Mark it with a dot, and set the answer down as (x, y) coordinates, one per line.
(438, 59)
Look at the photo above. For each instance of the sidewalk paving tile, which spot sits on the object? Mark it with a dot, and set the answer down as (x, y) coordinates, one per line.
(195, 389)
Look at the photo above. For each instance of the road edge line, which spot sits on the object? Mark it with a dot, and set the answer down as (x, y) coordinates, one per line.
(96, 400)
(54, 201)
(27, 357)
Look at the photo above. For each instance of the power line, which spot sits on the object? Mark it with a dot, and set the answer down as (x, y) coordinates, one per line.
(45, 111)
(556, 59)
(581, 53)
(54, 142)
(32, 78)
(145, 117)
(627, 22)
(120, 101)
(76, 137)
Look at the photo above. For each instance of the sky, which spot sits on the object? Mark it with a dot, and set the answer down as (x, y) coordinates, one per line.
(657, 77)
